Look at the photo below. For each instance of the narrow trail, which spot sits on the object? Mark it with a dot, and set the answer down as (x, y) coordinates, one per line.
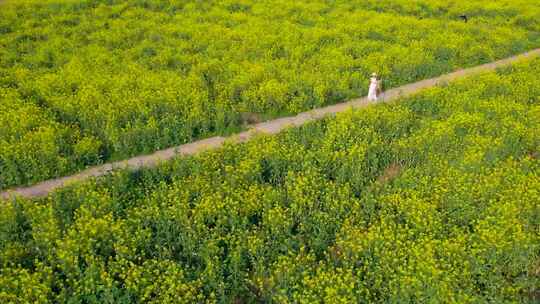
(269, 127)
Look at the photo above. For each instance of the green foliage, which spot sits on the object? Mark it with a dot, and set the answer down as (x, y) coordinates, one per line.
(83, 82)
(432, 199)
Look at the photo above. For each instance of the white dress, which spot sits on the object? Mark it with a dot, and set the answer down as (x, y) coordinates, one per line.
(372, 96)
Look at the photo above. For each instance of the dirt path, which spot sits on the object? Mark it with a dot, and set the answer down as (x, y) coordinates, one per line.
(270, 127)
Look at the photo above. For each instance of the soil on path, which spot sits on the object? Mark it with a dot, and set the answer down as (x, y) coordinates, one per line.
(269, 127)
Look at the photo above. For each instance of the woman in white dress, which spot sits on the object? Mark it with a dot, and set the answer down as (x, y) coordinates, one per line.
(373, 88)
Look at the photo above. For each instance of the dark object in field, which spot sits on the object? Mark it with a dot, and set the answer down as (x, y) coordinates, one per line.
(464, 18)
(251, 118)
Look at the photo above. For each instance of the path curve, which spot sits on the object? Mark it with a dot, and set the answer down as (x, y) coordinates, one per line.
(269, 127)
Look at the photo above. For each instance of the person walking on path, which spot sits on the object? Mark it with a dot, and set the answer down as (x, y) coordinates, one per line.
(374, 88)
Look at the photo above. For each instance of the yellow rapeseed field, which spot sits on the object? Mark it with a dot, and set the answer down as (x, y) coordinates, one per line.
(435, 199)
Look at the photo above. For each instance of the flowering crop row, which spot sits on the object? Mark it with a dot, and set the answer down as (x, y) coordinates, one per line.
(82, 82)
(433, 199)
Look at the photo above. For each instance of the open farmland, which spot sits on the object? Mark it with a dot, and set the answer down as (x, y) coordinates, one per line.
(433, 199)
(83, 82)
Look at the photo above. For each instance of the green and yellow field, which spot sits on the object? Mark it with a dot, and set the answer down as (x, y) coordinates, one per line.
(435, 199)
(83, 82)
